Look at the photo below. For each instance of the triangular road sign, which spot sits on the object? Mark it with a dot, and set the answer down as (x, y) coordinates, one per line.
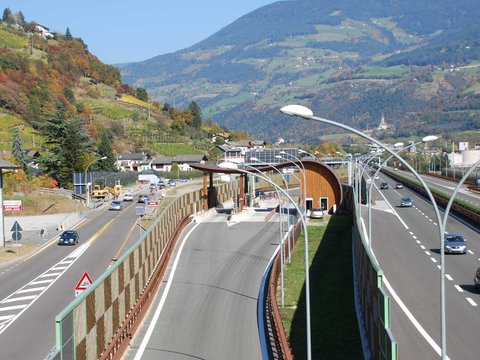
(16, 227)
(84, 283)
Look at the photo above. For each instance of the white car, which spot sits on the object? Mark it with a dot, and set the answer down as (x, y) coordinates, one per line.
(128, 197)
(316, 213)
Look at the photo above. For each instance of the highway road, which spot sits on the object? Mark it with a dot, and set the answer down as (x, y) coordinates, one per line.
(447, 187)
(207, 309)
(36, 289)
(406, 244)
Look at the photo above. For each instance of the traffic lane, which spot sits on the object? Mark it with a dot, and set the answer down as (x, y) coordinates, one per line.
(447, 186)
(411, 275)
(16, 275)
(39, 317)
(425, 235)
(210, 311)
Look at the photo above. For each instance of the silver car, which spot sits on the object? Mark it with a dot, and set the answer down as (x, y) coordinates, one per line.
(454, 244)
(316, 213)
(116, 205)
(406, 202)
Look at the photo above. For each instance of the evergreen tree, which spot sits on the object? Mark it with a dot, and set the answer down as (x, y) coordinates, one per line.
(142, 94)
(20, 19)
(105, 149)
(8, 16)
(69, 146)
(197, 114)
(68, 34)
(18, 152)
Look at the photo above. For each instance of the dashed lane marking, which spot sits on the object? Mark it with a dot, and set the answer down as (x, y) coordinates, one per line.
(458, 288)
(433, 260)
(473, 303)
(448, 277)
(428, 253)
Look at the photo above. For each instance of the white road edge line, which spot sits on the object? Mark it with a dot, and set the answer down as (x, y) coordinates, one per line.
(393, 211)
(153, 323)
(410, 316)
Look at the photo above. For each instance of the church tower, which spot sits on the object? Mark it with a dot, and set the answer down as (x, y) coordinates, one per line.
(383, 124)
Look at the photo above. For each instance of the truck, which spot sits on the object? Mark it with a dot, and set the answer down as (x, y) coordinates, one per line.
(101, 193)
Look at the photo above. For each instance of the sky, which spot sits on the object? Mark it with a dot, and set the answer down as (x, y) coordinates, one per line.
(120, 31)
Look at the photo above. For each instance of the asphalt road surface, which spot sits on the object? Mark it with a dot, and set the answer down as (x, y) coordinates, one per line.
(207, 305)
(406, 244)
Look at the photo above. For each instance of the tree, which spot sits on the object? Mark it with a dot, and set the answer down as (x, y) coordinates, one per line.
(8, 17)
(197, 114)
(20, 19)
(69, 146)
(68, 34)
(17, 150)
(105, 149)
(142, 94)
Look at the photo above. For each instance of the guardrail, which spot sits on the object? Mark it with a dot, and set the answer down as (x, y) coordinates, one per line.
(100, 322)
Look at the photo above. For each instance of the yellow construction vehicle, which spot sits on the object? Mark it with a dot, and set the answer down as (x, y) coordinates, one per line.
(100, 193)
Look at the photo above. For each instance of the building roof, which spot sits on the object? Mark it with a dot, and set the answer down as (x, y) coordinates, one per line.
(194, 158)
(6, 165)
(132, 156)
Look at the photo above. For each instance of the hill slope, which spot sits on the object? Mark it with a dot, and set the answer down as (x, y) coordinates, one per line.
(415, 61)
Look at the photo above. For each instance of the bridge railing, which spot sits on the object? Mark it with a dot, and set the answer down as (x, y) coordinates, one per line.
(88, 326)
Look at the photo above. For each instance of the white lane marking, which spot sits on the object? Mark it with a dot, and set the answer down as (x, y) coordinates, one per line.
(393, 211)
(6, 317)
(473, 303)
(433, 260)
(65, 262)
(21, 298)
(38, 289)
(14, 307)
(428, 253)
(458, 288)
(419, 242)
(153, 323)
(414, 321)
(49, 274)
(42, 282)
(470, 252)
(435, 224)
(30, 290)
(411, 233)
(439, 267)
(448, 277)
(422, 247)
(430, 220)
(414, 237)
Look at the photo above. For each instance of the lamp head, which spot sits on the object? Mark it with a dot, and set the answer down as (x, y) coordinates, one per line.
(103, 158)
(282, 152)
(278, 157)
(254, 159)
(399, 144)
(228, 165)
(429, 138)
(297, 110)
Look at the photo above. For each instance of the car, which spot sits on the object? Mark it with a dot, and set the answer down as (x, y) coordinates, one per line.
(316, 213)
(68, 237)
(476, 279)
(395, 169)
(183, 180)
(161, 184)
(128, 197)
(376, 177)
(406, 202)
(142, 198)
(399, 186)
(454, 244)
(172, 183)
(116, 205)
(384, 186)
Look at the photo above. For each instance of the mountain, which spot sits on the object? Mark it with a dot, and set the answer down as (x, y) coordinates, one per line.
(416, 62)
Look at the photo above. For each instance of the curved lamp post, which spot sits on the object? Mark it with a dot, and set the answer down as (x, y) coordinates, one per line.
(306, 113)
(307, 276)
(303, 173)
(86, 181)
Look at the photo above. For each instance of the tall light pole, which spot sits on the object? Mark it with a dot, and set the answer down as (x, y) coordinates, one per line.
(307, 276)
(87, 200)
(306, 113)
(304, 177)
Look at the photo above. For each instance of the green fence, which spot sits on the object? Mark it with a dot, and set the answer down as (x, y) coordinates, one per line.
(86, 327)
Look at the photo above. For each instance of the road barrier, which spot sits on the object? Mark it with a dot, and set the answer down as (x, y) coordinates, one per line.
(100, 322)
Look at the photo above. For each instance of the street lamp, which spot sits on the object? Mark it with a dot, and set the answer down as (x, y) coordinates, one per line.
(303, 173)
(306, 113)
(87, 200)
(307, 276)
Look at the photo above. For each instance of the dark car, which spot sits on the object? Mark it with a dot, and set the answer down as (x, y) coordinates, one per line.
(476, 279)
(406, 202)
(68, 237)
(142, 199)
(384, 185)
(454, 244)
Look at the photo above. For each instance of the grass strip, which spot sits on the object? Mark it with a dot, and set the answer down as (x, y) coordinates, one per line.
(334, 329)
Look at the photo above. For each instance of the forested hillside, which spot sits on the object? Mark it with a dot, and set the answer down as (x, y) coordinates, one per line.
(417, 62)
(62, 102)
